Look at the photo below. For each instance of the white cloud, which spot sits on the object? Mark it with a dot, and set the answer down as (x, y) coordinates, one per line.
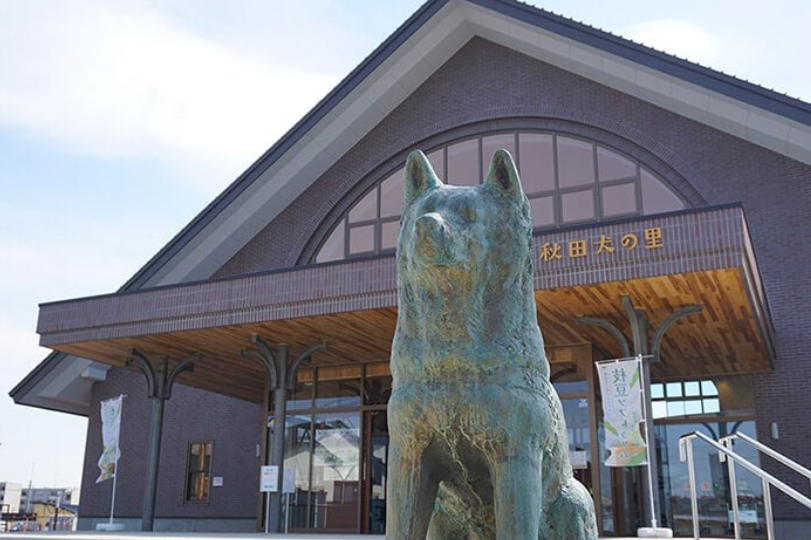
(122, 79)
(680, 38)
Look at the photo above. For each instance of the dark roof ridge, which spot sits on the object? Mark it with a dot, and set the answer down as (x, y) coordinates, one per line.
(638, 52)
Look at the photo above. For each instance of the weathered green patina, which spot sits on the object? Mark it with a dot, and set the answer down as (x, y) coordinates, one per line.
(479, 449)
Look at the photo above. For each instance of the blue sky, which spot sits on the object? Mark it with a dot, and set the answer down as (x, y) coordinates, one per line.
(120, 121)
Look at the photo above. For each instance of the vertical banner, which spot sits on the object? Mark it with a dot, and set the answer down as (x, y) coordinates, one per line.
(110, 430)
(623, 413)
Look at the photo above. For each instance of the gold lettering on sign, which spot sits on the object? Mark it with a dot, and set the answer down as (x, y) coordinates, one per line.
(653, 238)
(578, 248)
(602, 246)
(630, 241)
(550, 252)
(605, 244)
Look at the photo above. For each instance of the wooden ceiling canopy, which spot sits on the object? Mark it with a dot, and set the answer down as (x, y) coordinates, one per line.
(725, 338)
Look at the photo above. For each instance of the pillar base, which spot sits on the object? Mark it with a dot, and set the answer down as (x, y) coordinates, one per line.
(654, 532)
(109, 527)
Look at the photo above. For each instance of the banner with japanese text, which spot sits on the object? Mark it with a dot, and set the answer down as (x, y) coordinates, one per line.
(110, 430)
(623, 413)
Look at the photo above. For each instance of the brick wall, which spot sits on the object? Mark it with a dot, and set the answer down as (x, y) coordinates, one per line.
(191, 415)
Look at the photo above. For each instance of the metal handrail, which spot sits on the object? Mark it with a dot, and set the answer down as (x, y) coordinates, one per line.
(728, 441)
(777, 456)
(686, 454)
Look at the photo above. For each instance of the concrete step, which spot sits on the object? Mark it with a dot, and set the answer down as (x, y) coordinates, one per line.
(93, 535)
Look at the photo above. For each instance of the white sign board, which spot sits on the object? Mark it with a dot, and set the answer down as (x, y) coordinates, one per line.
(216, 481)
(579, 459)
(269, 478)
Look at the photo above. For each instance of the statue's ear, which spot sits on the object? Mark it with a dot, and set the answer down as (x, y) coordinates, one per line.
(504, 175)
(419, 176)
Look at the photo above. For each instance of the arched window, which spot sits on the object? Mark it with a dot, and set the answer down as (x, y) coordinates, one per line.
(567, 180)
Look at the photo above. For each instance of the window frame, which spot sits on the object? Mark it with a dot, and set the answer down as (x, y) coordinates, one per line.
(557, 193)
(209, 446)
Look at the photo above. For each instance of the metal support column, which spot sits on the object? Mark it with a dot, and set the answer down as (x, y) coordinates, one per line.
(281, 378)
(639, 332)
(159, 381)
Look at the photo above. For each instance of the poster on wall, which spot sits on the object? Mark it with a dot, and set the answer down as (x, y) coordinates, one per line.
(623, 414)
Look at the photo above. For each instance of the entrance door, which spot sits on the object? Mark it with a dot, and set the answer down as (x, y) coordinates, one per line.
(375, 461)
(574, 382)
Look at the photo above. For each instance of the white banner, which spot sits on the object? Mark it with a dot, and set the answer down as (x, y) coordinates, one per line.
(623, 413)
(110, 430)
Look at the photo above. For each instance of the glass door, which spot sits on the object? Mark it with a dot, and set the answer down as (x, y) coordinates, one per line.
(573, 380)
(376, 446)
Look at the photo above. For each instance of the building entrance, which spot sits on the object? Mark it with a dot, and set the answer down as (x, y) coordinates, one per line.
(375, 462)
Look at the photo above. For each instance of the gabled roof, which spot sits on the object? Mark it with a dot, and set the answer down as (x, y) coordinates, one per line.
(421, 45)
(414, 51)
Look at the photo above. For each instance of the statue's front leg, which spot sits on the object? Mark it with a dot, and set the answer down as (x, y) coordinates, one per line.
(517, 494)
(412, 490)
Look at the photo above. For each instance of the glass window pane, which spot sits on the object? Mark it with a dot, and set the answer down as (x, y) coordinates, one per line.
(463, 163)
(491, 143)
(392, 198)
(659, 409)
(612, 166)
(362, 239)
(674, 390)
(537, 165)
(656, 196)
(575, 162)
(675, 408)
(301, 397)
(389, 230)
(692, 407)
(377, 389)
(708, 388)
(437, 160)
(577, 206)
(618, 200)
(657, 391)
(297, 448)
(567, 378)
(197, 475)
(692, 388)
(576, 413)
(712, 406)
(333, 248)
(338, 387)
(542, 210)
(365, 209)
(336, 471)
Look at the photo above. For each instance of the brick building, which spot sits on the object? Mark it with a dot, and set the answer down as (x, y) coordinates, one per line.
(655, 185)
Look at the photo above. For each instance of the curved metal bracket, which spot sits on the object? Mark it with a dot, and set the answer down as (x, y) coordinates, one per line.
(270, 367)
(613, 330)
(185, 365)
(138, 360)
(306, 355)
(267, 357)
(257, 340)
(660, 333)
(639, 325)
